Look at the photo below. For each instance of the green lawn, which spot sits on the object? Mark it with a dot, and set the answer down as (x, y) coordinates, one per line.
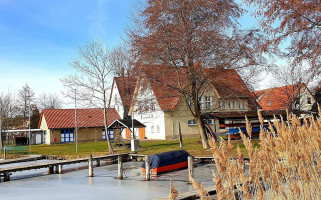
(193, 146)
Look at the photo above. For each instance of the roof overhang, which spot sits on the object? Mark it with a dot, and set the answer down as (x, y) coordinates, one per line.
(125, 123)
(250, 114)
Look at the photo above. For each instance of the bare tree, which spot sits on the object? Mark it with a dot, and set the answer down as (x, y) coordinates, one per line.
(121, 61)
(25, 97)
(7, 110)
(93, 78)
(182, 33)
(49, 101)
(294, 28)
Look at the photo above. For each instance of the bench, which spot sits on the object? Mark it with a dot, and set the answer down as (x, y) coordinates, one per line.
(16, 149)
(9, 149)
(21, 149)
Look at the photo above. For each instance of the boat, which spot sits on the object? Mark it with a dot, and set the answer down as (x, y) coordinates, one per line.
(167, 161)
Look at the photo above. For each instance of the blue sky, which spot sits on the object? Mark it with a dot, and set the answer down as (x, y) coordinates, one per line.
(38, 38)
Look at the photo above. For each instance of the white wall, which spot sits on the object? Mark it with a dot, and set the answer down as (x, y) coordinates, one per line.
(153, 119)
(115, 101)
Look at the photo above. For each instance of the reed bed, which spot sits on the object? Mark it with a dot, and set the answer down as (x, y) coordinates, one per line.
(287, 164)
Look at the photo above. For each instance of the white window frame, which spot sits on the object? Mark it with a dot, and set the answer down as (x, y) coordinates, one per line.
(208, 102)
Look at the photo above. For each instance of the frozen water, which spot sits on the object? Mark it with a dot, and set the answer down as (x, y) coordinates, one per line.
(104, 185)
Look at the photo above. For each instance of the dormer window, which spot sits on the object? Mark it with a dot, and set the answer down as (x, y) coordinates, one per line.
(309, 100)
(270, 103)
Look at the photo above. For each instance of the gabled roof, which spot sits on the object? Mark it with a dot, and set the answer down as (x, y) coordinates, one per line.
(125, 123)
(279, 98)
(126, 88)
(228, 83)
(163, 79)
(65, 118)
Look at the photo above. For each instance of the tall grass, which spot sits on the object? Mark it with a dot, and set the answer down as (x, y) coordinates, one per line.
(287, 164)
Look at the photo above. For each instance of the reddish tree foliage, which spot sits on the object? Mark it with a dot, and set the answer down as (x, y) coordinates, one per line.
(182, 33)
(297, 21)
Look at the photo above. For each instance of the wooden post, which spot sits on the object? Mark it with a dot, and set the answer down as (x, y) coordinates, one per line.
(97, 162)
(120, 167)
(147, 167)
(180, 135)
(90, 166)
(50, 169)
(59, 169)
(4, 153)
(190, 168)
(6, 176)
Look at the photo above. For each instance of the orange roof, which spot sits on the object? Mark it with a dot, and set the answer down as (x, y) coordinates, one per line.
(65, 118)
(279, 98)
(164, 82)
(126, 88)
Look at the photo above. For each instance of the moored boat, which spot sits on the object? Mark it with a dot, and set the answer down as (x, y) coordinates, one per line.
(167, 161)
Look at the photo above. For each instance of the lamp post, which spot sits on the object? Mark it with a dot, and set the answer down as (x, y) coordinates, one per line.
(29, 126)
(76, 121)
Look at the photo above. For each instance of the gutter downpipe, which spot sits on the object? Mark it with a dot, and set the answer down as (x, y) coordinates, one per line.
(173, 130)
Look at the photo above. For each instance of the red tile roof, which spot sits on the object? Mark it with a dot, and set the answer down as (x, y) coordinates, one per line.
(163, 80)
(65, 118)
(126, 87)
(279, 98)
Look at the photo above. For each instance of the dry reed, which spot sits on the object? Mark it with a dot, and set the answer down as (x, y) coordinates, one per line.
(287, 164)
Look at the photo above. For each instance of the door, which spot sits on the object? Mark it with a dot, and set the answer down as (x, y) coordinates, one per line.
(142, 133)
(38, 138)
(128, 133)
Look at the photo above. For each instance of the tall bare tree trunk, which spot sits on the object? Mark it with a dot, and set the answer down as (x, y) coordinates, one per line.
(201, 128)
(110, 148)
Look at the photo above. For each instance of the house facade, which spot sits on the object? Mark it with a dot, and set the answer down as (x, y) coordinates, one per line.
(290, 97)
(161, 109)
(58, 125)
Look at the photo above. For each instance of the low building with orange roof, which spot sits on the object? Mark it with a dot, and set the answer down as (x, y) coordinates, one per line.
(58, 125)
(290, 97)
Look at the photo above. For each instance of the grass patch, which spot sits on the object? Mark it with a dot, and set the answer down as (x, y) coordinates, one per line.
(149, 147)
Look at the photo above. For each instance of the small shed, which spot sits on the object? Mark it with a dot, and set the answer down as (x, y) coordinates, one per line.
(127, 124)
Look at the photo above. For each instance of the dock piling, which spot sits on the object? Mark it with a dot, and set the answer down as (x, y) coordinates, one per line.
(120, 167)
(147, 167)
(6, 176)
(90, 166)
(59, 169)
(50, 169)
(190, 168)
(4, 153)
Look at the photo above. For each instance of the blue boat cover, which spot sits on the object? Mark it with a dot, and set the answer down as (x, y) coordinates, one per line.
(167, 158)
(254, 129)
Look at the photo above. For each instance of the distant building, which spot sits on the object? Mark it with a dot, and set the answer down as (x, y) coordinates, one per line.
(290, 97)
(58, 125)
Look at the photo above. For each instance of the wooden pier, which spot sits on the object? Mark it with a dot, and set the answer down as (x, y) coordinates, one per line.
(56, 166)
(23, 159)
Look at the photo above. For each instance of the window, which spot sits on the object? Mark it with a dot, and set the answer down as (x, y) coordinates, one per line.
(208, 121)
(208, 103)
(200, 102)
(309, 100)
(224, 105)
(240, 104)
(66, 135)
(152, 106)
(233, 105)
(110, 133)
(270, 103)
(191, 122)
(152, 129)
(158, 129)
